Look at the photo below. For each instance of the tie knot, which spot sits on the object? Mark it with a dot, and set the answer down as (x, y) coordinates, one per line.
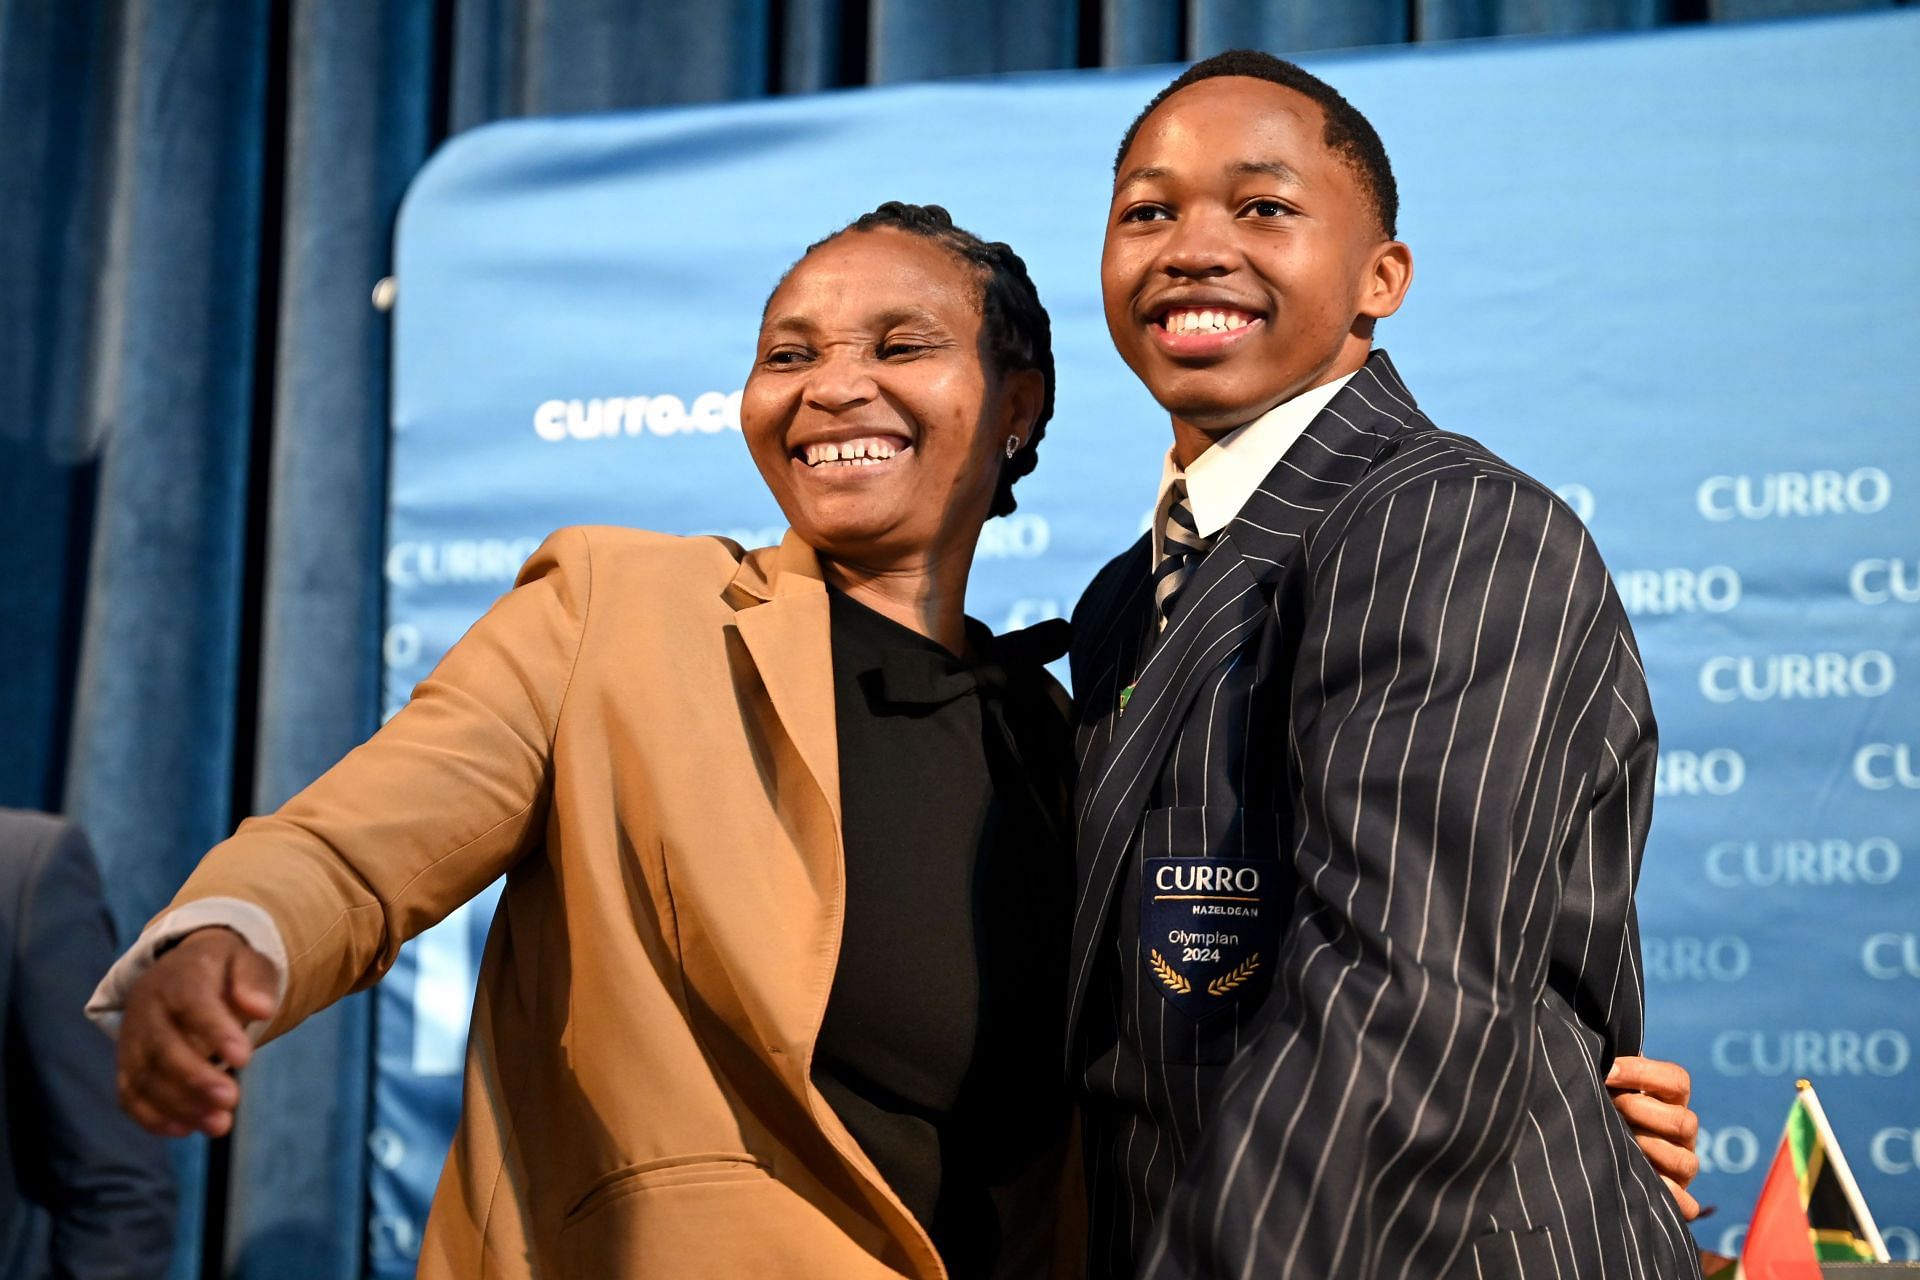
(1181, 532)
(1181, 544)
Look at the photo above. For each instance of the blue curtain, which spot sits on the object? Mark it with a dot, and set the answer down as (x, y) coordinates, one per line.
(198, 198)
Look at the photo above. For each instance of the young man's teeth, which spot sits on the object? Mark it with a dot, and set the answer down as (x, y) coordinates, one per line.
(1206, 321)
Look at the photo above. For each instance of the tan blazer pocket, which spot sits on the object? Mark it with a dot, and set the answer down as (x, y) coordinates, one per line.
(1509, 1255)
(699, 1217)
(706, 1166)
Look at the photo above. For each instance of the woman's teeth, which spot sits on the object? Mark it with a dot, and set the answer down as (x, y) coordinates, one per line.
(1206, 321)
(851, 453)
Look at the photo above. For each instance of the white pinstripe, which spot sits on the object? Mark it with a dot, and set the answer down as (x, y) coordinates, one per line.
(1553, 1185)
(1446, 757)
(1579, 1158)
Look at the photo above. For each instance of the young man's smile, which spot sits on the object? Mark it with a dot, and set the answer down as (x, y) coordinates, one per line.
(1197, 324)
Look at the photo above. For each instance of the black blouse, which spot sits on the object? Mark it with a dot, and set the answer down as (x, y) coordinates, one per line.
(942, 1042)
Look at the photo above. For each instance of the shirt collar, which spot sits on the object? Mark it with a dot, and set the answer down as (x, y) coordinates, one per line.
(1222, 479)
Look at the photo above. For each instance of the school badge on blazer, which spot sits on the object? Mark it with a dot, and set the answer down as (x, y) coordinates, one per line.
(1208, 928)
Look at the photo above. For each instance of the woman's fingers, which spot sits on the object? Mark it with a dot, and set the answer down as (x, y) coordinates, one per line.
(164, 1105)
(253, 994)
(164, 1071)
(1646, 1114)
(147, 1116)
(1652, 1097)
(1689, 1207)
(1667, 1081)
(181, 1069)
(182, 1015)
(1676, 1164)
(208, 1020)
(171, 1107)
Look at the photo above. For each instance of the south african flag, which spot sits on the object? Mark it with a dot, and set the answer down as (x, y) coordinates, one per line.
(1810, 1209)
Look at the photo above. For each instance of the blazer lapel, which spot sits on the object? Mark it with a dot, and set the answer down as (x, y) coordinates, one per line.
(1219, 611)
(782, 618)
(1107, 645)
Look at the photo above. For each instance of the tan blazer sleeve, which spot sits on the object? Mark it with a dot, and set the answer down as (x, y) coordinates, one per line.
(435, 806)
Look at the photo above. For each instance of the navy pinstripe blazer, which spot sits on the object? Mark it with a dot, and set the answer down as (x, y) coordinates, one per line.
(1355, 937)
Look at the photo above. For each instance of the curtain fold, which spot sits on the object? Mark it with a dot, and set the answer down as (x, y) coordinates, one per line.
(1466, 19)
(196, 197)
(1214, 25)
(151, 760)
(1734, 10)
(916, 40)
(57, 93)
(818, 45)
(549, 57)
(358, 109)
(1136, 33)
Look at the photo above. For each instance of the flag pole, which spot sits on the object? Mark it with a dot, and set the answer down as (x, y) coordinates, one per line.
(1838, 1160)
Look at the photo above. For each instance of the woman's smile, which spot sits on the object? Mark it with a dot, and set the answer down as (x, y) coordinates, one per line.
(857, 454)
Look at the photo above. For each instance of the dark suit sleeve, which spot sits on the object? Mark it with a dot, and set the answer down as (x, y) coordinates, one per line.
(1450, 697)
(105, 1182)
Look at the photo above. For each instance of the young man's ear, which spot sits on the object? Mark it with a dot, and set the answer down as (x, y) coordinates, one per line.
(1388, 276)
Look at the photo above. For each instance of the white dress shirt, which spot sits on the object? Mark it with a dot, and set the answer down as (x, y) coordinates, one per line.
(1222, 479)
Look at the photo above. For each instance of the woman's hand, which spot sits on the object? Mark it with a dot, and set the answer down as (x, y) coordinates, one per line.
(1653, 1096)
(184, 1031)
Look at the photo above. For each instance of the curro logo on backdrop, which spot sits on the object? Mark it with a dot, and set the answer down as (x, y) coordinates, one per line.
(1746, 466)
(710, 412)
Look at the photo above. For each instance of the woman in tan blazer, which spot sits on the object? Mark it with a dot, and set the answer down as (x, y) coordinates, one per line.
(641, 737)
(645, 737)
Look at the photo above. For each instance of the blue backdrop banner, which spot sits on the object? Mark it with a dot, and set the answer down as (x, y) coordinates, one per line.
(1672, 275)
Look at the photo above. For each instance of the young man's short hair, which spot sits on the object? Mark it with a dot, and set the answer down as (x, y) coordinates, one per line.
(1348, 133)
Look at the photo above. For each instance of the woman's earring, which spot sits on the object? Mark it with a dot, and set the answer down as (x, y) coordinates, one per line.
(1013, 445)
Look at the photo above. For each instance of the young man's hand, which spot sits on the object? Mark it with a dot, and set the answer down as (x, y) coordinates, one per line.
(184, 1032)
(1652, 1095)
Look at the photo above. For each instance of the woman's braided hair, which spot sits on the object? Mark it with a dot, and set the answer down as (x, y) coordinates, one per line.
(1015, 325)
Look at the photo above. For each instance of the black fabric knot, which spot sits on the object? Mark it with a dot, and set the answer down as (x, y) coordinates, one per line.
(923, 678)
(928, 677)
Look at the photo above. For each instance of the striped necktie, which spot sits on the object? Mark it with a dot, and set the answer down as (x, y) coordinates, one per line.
(1181, 547)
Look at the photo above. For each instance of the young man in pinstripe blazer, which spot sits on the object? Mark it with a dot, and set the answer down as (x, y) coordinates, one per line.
(1367, 766)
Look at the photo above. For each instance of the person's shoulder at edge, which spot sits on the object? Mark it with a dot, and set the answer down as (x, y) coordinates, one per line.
(620, 561)
(1423, 457)
(32, 835)
(1111, 578)
(623, 546)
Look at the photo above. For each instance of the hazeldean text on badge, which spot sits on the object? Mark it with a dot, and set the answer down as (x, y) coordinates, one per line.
(1208, 924)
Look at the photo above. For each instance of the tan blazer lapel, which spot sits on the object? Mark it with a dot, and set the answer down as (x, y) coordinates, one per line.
(782, 602)
(780, 598)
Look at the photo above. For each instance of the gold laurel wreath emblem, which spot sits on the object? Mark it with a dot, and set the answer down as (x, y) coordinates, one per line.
(1234, 976)
(1176, 983)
